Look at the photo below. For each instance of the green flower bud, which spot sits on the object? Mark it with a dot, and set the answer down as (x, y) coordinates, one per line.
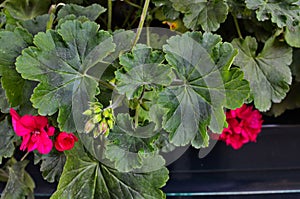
(96, 132)
(106, 113)
(89, 126)
(106, 132)
(103, 127)
(88, 112)
(110, 123)
(97, 109)
(97, 118)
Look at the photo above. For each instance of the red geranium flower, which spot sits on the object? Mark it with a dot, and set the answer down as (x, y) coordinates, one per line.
(65, 141)
(34, 130)
(244, 124)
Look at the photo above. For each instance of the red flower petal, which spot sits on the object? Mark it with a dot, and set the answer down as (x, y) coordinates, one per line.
(44, 143)
(65, 141)
(51, 131)
(24, 125)
(15, 117)
(25, 141)
(244, 124)
(40, 122)
(32, 144)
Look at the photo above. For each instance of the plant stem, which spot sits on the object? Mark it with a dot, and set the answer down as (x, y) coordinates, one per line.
(177, 82)
(26, 154)
(237, 26)
(132, 4)
(142, 21)
(109, 5)
(148, 36)
(106, 84)
(136, 116)
(116, 103)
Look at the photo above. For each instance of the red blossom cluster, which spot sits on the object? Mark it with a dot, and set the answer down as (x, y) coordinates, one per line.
(244, 124)
(36, 133)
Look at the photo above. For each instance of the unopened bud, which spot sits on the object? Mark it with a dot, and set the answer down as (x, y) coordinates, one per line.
(96, 132)
(89, 126)
(97, 109)
(110, 123)
(103, 127)
(106, 113)
(88, 112)
(97, 118)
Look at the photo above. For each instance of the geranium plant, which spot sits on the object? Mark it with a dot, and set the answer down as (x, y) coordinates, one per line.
(100, 98)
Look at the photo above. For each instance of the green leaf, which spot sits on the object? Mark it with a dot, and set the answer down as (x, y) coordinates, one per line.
(4, 105)
(202, 63)
(295, 66)
(28, 9)
(7, 138)
(61, 62)
(84, 177)
(19, 185)
(123, 40)
(292, 35)
(267, 71)
(37, 24)
(205, 14)
(291, 101)
(141, 55)
(143, 70)
(131, 148)
(165, 10)
(92, 12)
(283, 13)
(52, 166)
(17, 90)
(238, 8)
(3, 175)
(262, 30)
(125, 124)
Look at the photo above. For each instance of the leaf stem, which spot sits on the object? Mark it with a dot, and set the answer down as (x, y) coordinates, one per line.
(109, 7)
(237, 27)
(116, 103)
(26, 154)
(132, 4)
(177, 82)
(142, 21)
(106, 84)
(136, 116)
(148, 36)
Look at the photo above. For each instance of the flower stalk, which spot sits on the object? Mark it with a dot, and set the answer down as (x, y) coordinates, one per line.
(142, 21)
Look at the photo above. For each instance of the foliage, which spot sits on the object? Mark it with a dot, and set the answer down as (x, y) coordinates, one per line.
(129, 94)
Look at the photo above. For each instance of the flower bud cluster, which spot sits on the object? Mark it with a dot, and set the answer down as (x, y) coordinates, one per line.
(101, 120)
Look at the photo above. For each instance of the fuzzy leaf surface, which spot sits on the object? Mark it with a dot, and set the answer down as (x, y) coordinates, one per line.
(143, 69)
(85, 177)
(205, 14)
(283, 13)
(19, 185)
(268, 71)
(24, 10)
(52, 165)
(131, 148)
(60, 62)
(7, 138)
(17, 90)
(196, 100)
(92, 12)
